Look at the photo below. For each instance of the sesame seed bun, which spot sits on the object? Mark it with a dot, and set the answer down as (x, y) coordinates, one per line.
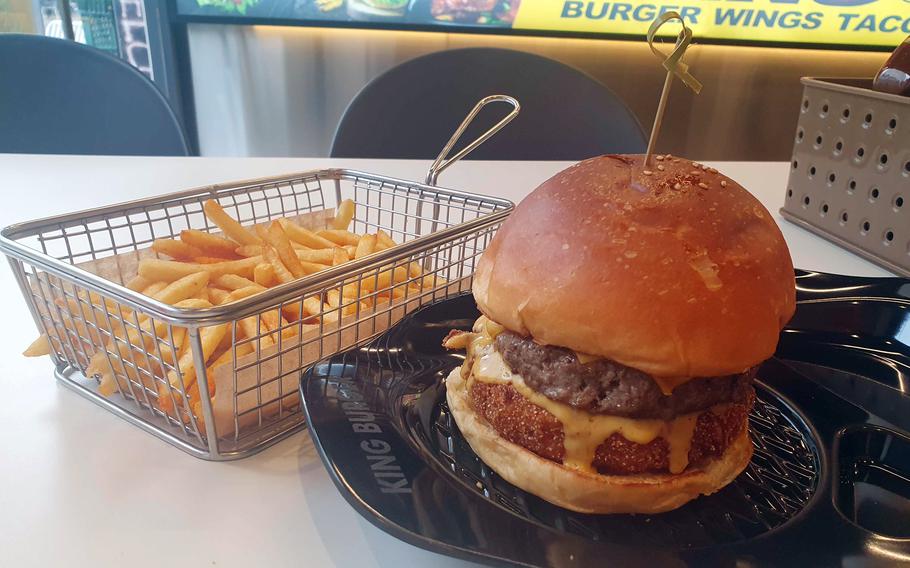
(674, 269)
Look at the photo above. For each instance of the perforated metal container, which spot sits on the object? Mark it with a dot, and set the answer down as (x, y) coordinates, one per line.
(850, 171)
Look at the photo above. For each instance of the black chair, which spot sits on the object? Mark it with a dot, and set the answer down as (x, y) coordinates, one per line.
(60, 97)
(411, 110)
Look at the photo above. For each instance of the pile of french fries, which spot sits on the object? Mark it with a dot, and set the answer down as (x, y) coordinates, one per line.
(203, 270)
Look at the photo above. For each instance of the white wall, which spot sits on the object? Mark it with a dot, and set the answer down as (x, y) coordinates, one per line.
(280, 91)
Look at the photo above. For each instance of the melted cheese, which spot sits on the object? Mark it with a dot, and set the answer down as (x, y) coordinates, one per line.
(679, 436)
(584, 358)
(667, 384)
(491, 328)
(583, 431)
(479, 339)
(489, 367)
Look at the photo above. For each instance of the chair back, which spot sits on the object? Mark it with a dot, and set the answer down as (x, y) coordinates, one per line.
(411, 110)
(61, 97)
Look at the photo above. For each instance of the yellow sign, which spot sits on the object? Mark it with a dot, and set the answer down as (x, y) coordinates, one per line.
(832, 22)
(16, 16)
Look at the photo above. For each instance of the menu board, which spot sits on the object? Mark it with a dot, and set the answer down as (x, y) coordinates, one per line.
(864, 23)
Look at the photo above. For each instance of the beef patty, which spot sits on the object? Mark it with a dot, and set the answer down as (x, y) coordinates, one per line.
(522, 422)
(607, 387)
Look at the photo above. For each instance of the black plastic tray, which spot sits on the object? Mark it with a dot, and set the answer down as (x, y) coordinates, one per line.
(829, 483)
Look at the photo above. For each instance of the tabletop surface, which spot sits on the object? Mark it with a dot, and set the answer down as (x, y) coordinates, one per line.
(81, 487)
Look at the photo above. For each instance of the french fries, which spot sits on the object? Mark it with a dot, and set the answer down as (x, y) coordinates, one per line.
(219, 296)
(203, 294)
(209, 244)
(183, 288)
(209, 338)
(365, 246)
(343, 215)
(138, 284)
(278, 239)
(339, 237)
(233, 281)
(339, 256)
(281, 271)
(170, 270)
(334, 299)
(321, 256)
(311, 267)
(130, 352)
(178, 250)
(39, 347)
(159, 270)
(226, 223)
(264, 275)
(385, 279)
(383, 240)
(246, 292)
(314, 307)
(154, 288)
(208, 259)
(305, 236)
(249, 250)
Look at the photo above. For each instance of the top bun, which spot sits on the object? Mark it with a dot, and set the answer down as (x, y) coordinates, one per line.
(675, 270)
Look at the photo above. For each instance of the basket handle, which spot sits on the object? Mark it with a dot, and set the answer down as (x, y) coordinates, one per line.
(442, 162)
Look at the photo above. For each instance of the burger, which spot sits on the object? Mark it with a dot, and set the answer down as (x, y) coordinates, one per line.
(391, 5)
(376, 9)
(475, 12)
(625, 310)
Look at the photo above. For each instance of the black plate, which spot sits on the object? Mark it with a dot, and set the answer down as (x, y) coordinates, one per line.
(829, 482)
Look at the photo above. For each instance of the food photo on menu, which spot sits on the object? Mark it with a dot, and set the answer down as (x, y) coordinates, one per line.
(476, 12)
(494, 13)
(631, 291)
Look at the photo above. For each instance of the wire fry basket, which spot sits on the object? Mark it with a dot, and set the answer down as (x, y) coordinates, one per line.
(72, 271)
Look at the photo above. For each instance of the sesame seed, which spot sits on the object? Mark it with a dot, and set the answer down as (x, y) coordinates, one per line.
(647, 172)
(723, 183)
(704, 168)
(660, 167)
(677, 186)
(702, 185)
(658, 158)
(695, 172)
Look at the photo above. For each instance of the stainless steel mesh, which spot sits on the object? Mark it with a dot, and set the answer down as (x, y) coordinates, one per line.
(117, 347)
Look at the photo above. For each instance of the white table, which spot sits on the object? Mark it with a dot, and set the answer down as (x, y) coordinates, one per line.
(79, 487)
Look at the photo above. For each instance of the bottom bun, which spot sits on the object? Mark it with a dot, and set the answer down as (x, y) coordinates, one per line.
(590, 492)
